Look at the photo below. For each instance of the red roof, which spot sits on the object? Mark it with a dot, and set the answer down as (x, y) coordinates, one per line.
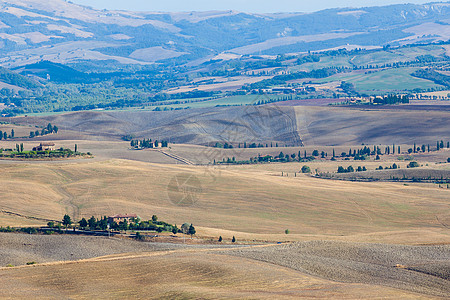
(125, 216)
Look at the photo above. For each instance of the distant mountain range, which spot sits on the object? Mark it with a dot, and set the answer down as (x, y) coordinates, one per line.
(63, 32)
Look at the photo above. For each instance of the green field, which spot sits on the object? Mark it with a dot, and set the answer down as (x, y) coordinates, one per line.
(391, 80)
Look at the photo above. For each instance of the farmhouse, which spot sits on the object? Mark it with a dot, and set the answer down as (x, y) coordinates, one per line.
(122, 218)
(45, 147)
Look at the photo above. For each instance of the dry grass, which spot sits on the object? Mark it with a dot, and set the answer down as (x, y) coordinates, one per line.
(231, 198)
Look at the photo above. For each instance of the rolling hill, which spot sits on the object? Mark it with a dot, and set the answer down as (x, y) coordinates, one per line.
(291, 126)
(63, 32)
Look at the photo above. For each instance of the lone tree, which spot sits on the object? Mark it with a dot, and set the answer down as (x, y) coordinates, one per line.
(191, 230)
(233, 240)
(83, 223)
(220, 238)
(66, 220)
(154, 218)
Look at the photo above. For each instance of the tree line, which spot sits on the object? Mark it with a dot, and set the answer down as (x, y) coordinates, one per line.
(49, 129)
(103, 223)
(148, 143)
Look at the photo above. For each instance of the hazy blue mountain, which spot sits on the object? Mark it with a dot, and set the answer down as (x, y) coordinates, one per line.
(62, 32)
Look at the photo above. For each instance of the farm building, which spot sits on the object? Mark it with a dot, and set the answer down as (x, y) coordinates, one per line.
(45, 147)
(122, 218)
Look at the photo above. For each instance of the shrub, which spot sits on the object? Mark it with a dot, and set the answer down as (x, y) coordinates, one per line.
(306, 169)
(31, 263)
(139, 236)
(413, 164)
(448, 160)
(30, 230)
(286, 231)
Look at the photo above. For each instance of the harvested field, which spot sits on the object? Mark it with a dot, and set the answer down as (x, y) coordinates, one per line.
(18, 249)
(179, 275)
(262, 124)
(421, 269)
(416, 174)
(235, 198)
(281, 271)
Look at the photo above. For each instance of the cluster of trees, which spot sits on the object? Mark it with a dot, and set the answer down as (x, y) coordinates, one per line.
(5, 136)
(348, 88)
(439, 145)
(282, 79)
(269, 158)
(434, 76)
(227, 145)
(308, 59)
(350, 169)
(364, 153)
(49, 129)
(393, 167)
(148, 143)
(20, 153)
(391, 99)
(135, 224)
(274, 100)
